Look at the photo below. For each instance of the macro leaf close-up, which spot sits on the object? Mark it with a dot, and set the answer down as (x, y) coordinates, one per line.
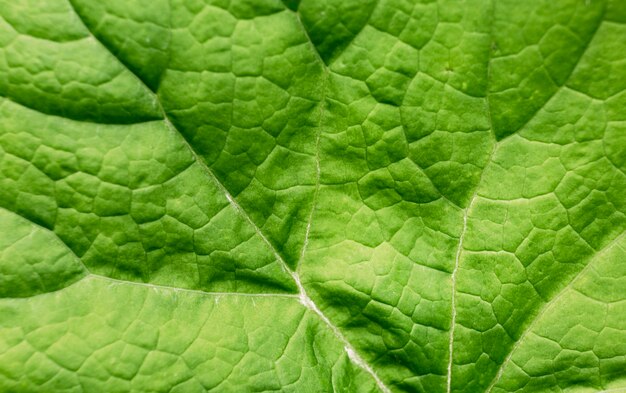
(312, 196)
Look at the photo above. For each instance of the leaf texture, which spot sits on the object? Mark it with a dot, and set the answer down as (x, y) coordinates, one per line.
(313, 195)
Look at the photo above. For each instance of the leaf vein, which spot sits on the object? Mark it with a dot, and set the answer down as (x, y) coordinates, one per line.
(548, 305)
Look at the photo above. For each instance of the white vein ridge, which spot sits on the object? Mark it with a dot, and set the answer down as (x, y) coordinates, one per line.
(304, 298)
(352, 354)
(454, 272)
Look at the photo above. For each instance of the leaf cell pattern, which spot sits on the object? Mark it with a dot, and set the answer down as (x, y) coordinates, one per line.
(313, 195)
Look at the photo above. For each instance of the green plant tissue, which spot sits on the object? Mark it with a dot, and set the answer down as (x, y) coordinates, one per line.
(312, 196)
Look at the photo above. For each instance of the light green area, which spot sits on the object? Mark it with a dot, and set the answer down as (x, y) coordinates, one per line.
(164, 340)
(312, 195)
(32, 260)
(581, 335)
(132, 202)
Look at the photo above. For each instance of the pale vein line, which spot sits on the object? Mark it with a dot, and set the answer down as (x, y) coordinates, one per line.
(614, 390)
(454, 272)
(459, 250)
(548, 305)
(303, 296)
(158, 287)
(457, 259)
(517, 343)
(88, 274)
(318, 169)
(459, 253)
(187, 290)
(310, 304)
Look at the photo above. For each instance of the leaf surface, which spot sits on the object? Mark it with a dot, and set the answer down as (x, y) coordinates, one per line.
(353, 196)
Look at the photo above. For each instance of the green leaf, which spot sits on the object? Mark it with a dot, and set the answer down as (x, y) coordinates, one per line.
(312, 195)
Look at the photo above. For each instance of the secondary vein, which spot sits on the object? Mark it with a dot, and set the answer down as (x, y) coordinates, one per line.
(304, 298)
(547, 306)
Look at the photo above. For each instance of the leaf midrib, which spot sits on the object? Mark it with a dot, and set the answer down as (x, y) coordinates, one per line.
(303, 296)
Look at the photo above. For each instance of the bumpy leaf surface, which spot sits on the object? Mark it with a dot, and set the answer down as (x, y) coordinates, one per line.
(312, 195)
